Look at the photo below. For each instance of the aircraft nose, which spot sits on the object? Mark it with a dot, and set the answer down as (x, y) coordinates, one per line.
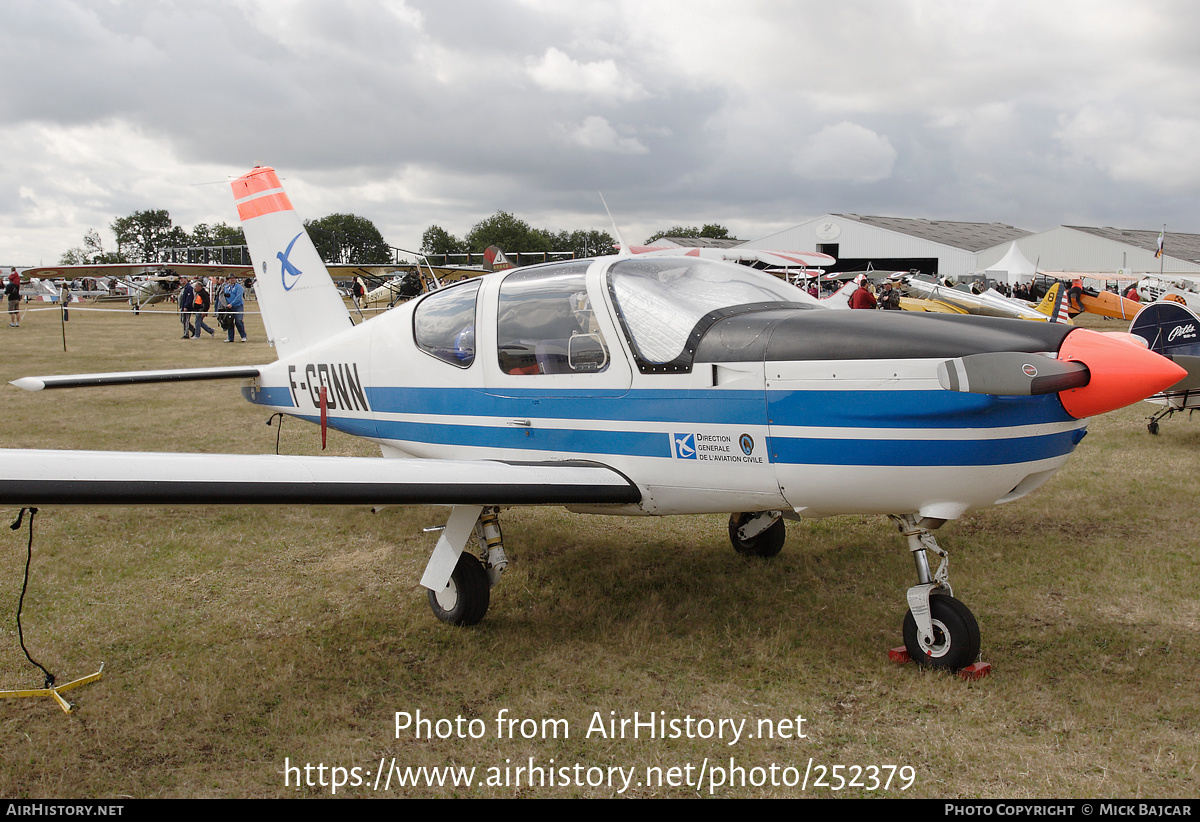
(1121, 373)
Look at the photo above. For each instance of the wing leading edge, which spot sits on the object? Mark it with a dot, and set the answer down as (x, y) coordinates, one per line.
(47, 477)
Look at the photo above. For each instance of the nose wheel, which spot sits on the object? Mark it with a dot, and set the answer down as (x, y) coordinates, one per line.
(954, 640)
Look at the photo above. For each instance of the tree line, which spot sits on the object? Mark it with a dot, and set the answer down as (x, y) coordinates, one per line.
(514, 234)
(146, 237)
(149, 236)
(511, 233)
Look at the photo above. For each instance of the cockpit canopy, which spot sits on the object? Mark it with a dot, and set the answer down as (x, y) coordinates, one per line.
(667, 303)
(546, 324)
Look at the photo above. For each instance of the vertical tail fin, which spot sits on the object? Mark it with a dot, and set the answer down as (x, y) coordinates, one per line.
(1054, 305)
(494, 259)
(1168, 329)
(297, 297)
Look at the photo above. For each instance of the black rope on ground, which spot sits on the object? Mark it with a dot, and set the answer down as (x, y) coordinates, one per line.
(24, 585)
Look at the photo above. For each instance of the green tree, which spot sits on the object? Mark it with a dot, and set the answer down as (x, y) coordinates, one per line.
(585, 243)
(509, 233)
(91, 252)
(711, 231)
(144, 236)
(348, 239)
(219, 234)
(438, 241)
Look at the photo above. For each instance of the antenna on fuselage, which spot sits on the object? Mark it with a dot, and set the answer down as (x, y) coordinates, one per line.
(623, 246)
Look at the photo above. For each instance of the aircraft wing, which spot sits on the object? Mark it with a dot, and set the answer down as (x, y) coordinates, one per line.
(72, 272)
(44, 477)
(375, 272)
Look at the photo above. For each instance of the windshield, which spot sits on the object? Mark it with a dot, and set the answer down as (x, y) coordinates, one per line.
(661, 300)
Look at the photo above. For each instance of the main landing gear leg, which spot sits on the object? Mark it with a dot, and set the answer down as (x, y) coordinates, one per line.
(459, 582)
(939, 631)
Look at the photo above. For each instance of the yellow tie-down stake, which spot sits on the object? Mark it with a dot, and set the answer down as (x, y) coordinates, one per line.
(54, 692)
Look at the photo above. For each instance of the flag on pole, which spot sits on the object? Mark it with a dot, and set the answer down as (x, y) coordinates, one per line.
(1159, 252)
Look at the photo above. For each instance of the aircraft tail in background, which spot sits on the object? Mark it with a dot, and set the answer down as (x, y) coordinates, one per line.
(300, 304)
(1054, 305)
(494, 259)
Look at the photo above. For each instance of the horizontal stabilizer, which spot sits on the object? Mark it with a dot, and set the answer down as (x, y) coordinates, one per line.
(1011, 373)
(41, 477)
(138, 377)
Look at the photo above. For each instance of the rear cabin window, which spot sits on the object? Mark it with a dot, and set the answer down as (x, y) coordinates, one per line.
(545, 323)
(444, 324)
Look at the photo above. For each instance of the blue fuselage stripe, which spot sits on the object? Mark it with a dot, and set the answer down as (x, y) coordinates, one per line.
(277, 397)
(578, 425)
(911, 409)
(702, 407)
(827, 409)
(814, 451)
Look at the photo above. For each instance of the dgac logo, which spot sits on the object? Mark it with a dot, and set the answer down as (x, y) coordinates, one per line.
(747, 443)
(685, 446)
(288, 270)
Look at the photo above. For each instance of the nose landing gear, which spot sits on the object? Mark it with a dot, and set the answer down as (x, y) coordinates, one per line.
(939, 631)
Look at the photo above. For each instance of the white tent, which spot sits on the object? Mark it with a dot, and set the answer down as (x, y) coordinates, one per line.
(1012, 268)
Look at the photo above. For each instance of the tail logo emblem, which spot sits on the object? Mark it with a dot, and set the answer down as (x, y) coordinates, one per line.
(288, 269)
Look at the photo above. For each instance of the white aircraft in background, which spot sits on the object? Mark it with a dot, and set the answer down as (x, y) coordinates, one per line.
(140, 284)
(987, 303)
(1180, 288)
(629, 385)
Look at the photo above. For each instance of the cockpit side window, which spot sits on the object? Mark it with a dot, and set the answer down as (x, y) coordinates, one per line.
(444, 324)
(545, 323)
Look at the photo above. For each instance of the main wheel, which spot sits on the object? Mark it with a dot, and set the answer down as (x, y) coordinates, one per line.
(955, 635)
(766, 545)
(465, 599)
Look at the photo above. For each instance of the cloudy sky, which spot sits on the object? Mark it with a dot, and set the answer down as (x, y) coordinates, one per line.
(756, 115)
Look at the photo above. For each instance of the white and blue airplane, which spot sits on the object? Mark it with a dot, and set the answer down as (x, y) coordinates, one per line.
(629, 385)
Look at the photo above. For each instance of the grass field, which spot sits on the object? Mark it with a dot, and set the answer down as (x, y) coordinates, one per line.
(238, 640)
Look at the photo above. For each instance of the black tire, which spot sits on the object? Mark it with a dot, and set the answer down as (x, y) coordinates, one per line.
(765, 545)
(465, 599)
(1152, 426)
(955, 635)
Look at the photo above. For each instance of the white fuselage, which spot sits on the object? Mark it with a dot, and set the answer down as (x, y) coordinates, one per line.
(818, 436)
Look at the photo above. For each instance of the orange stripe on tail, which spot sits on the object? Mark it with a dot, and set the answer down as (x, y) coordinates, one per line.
(264, 205)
